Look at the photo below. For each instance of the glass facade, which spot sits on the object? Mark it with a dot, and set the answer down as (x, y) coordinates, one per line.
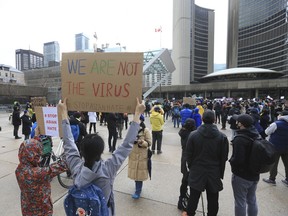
(81, 42)
(28, 59)
(51, 53)
(261, 34)
(199, 63)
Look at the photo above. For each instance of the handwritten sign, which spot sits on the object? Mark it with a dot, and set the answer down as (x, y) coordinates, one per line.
(189, 100)
(104, 82)
(48, 121)
(38, 101)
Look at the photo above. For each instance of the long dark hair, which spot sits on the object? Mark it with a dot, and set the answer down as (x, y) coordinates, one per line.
(92, 147)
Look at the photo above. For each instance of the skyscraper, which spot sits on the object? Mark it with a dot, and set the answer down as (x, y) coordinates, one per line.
(28, 59)
(193, 42)
(81, 42)
(51, 53)
(257, 34)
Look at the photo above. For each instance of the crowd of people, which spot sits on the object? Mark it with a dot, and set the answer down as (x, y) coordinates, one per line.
(204, 148)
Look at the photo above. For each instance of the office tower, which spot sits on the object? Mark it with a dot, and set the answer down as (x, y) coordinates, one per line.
(257, 34)
(81, 42)
(51, 53)
(28, 59)
(193, 42)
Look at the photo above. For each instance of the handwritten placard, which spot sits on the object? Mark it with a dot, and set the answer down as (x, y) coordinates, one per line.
(104, 82)
(48, 121)
(38, 101)
(189, 100)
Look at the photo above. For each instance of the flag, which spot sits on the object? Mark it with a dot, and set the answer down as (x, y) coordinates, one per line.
(158, 29)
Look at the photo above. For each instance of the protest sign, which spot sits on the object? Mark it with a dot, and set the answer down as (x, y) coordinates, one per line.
(189, 100)
(38, 101)
(48, 121)
(102, 82)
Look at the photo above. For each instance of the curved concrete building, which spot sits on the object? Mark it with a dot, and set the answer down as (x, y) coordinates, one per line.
(193, 42)
(257, 35)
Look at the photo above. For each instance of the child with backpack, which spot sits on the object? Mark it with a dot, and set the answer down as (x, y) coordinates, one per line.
(92, 169)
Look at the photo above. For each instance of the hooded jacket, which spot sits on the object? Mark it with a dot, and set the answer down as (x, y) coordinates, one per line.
(206, 155)
(34, 181)
(157, 121)
(197, 117)
(239, 160)
(103, 173)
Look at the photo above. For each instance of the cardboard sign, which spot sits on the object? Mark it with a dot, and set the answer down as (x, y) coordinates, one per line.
(189, 100)
(102, 82)
(48, 121)
(38, 101)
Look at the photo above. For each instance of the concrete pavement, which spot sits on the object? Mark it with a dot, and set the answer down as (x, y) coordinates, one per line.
(159, 195)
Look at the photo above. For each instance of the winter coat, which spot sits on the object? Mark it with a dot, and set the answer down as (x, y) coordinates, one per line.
(206, 155)
(137, 163)
(82, 128)
(92, 117)
(16, 120)
(157, 121)
(197, 117)
(185, 113)
(240, 153)
(103, 173)
(111, 119)
(26, 124)
(34, 181)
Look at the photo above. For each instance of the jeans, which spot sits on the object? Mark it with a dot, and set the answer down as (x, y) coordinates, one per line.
(274, 171)
(156, 137)
(212, 200)
(244, 196)
(138, 186)
(176, 121)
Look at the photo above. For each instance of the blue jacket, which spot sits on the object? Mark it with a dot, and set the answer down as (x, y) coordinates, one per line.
(197, 117)
(185, 113)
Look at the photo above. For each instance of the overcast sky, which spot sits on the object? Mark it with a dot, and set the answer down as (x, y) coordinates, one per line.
(31, 23)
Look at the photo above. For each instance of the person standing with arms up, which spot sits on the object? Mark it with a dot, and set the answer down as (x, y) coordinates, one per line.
(206, 155)
(91, 168)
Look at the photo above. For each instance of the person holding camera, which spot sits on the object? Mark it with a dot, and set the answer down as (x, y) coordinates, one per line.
(138, 158)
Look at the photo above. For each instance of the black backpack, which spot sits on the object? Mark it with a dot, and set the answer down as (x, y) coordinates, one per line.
(262, 155)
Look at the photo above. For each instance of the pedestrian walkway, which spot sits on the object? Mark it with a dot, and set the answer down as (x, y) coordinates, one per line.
(159, 195)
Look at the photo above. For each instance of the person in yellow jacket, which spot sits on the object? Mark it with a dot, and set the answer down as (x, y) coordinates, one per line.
(157, 122)
(201, 109)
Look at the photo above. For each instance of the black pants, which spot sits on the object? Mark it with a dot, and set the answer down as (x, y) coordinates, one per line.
(224, 120)
(15, 131)
(156, 137)
(212, 200)
(92, 124)
(184, 182)
(112, 131)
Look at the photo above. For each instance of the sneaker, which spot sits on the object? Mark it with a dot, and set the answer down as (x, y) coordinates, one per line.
(135, 196)
(285, 181)
(269, 181)
(159, 152)
(18, 137)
